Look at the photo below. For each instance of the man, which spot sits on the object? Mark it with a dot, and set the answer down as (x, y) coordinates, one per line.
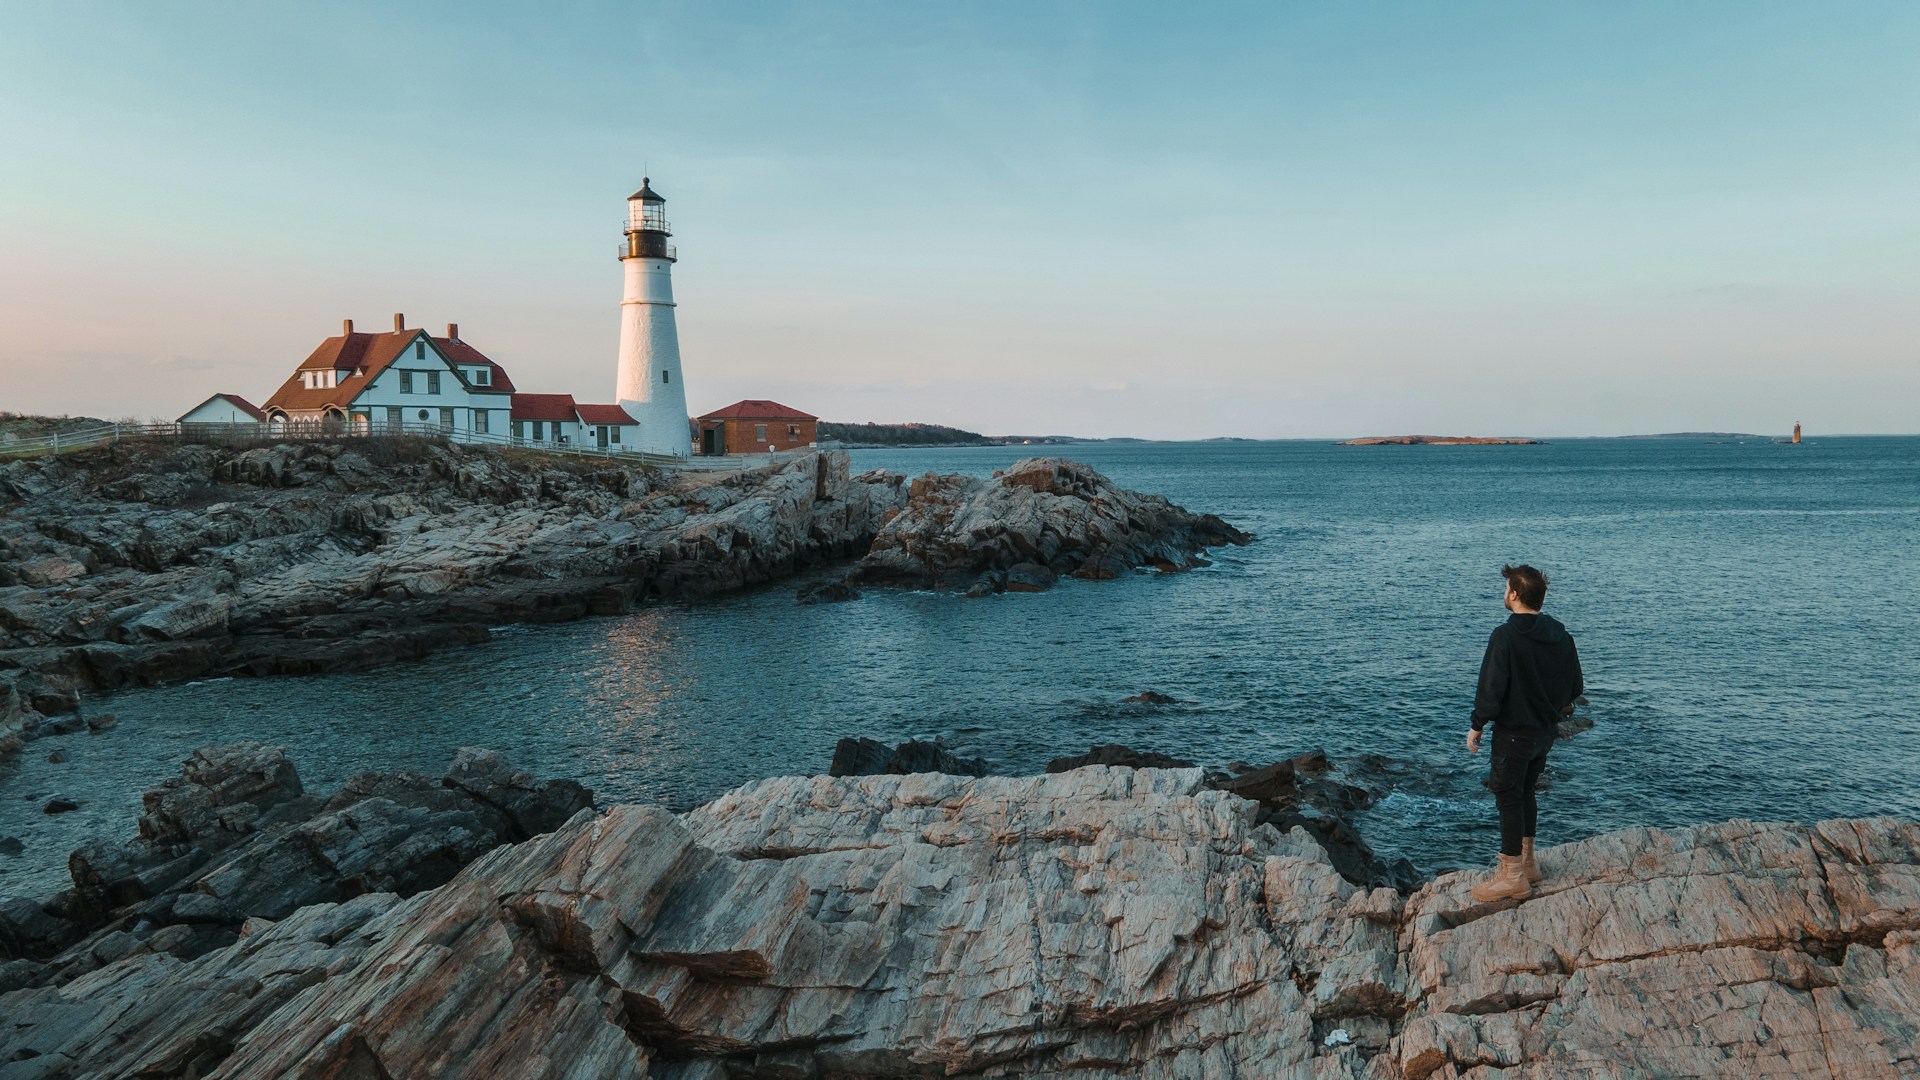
(1529, 678)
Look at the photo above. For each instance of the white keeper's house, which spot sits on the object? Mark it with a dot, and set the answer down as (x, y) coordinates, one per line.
(408, 380)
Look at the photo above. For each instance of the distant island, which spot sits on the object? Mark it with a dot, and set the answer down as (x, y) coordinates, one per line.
(1696, 435)
(864, 436)
(858, 435)
(1436, 440)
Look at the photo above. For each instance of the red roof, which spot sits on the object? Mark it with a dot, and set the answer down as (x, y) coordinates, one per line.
(462, 353)
(346, 353)
(604, 414)
(543, 407)
(755, 409)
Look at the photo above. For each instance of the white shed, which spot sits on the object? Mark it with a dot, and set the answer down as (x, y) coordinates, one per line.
(224, 409)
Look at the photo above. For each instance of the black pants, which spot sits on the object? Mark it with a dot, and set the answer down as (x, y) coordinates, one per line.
(1518, 758)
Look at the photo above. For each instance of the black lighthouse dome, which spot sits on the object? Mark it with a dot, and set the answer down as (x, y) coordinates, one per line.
(647, 228)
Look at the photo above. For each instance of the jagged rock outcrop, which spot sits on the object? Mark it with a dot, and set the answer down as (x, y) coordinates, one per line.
(1041, 519)
(136, 564)
(1105, 922)
(235, 837)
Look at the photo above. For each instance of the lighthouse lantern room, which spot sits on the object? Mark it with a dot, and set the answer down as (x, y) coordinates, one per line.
(648, 385)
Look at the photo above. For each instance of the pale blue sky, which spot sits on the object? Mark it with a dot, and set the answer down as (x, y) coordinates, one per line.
(1259, 220)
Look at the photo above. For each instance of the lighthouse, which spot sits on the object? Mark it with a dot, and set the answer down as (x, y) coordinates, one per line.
(648, 386)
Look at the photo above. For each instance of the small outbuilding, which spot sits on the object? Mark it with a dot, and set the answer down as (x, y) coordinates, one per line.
(608, 427)
(223, 410)
(756, 427)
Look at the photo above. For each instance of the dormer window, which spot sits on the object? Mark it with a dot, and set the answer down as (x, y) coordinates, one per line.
(482, 377)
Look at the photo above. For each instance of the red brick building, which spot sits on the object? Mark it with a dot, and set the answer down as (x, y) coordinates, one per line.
(755, 427)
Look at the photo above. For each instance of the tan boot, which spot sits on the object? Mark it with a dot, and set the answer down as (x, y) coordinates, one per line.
(1527, 865)
(1509, 882)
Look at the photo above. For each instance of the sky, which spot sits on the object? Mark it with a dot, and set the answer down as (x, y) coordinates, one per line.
(1271, 220)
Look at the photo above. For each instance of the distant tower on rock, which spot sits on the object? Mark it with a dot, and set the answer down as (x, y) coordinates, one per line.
(1796, 433)
(649, 386)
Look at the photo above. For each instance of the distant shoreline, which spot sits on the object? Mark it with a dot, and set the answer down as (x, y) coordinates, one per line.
(1437, 440)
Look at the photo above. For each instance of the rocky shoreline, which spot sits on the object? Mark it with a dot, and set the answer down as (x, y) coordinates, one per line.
(1098, 921)
(141, 564)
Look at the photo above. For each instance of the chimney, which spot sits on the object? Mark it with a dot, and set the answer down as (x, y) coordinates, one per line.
(346, 326)
(399, 322)
(453, 331)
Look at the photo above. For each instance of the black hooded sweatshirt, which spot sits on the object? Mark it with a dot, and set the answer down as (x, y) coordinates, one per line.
(1531, 673)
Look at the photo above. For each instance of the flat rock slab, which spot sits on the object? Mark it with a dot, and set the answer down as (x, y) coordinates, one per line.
(1103, 922)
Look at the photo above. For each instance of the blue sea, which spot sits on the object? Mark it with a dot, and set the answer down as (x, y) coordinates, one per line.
(1748, 614)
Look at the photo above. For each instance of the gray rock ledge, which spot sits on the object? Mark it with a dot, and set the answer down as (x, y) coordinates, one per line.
(1104, 922)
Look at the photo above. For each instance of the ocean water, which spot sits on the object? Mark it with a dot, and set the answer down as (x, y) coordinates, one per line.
(1748, 614)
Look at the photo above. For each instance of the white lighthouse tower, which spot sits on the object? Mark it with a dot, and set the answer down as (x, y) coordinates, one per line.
(649, 386)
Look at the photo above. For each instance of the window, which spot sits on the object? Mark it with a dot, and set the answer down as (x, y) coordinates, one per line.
(759, 433)
(793, 431)
(519, 429)
(446, 419)
(539, 427)
(480, 421)
(406, 382)
(666, 376)
(424, 415)
(482, 377)
(419, 350)
(613, 433)
(394, 418)
(433, 382)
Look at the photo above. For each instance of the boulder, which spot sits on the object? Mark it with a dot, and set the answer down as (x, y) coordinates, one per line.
(827, 592)
(1030, 577)
(220, 793)
(1042, 518)
(868, 757)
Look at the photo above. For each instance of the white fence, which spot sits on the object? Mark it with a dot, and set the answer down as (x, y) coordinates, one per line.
(267, 434)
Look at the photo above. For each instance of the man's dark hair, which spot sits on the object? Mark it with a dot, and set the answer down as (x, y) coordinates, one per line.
(1529, 585)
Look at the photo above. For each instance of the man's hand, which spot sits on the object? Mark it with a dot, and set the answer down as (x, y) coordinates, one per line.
(1473, 740)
